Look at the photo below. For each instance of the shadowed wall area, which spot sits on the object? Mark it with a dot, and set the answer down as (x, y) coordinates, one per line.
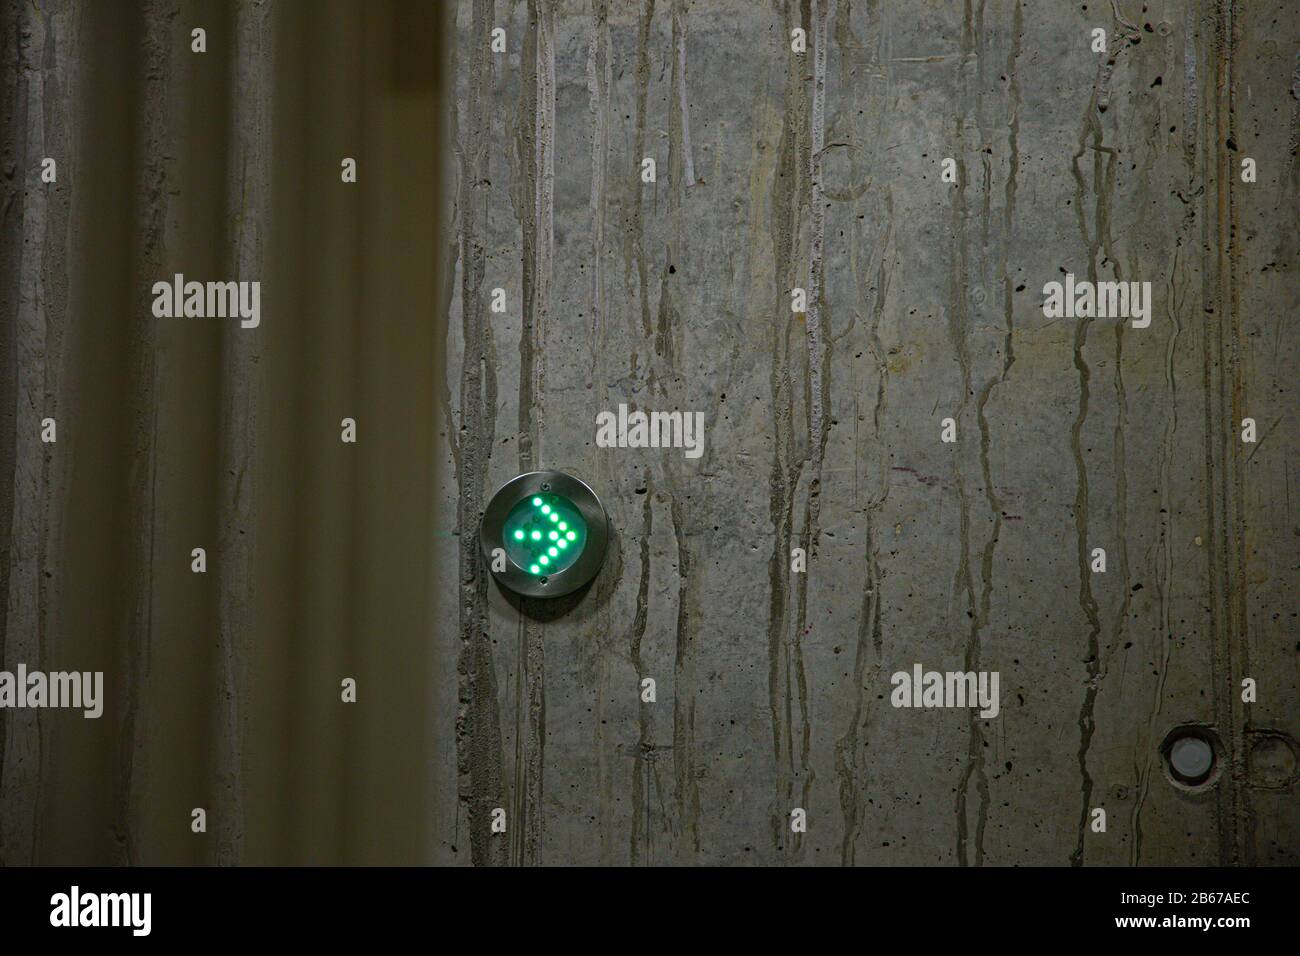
(222, 689)
(826, 226)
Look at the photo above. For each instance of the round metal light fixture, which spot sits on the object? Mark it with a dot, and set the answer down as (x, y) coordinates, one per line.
(552, 531)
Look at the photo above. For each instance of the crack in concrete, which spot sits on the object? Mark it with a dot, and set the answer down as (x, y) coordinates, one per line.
(478, 724)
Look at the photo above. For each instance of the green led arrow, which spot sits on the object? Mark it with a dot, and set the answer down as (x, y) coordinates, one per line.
(544, 534)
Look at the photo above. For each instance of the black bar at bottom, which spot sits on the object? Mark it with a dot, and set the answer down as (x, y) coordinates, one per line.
(643, 907)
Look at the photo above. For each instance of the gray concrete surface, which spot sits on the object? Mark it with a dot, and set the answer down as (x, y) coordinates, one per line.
(822, 170)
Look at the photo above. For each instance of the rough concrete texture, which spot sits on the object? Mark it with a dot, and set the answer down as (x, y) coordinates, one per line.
(821, 170)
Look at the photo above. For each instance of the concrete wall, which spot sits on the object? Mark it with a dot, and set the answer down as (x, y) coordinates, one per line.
(521, 170)
(822, 170)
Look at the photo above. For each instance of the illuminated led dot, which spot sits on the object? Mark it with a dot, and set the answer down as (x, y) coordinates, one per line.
(562, 543)
(546, 509)
(534, 569)
(563, 526)
(537, 536)
(554, 516)
(552, 535)
(536, 502)
(544, 560)
(571, 536)
(552, 552)
(519, 535)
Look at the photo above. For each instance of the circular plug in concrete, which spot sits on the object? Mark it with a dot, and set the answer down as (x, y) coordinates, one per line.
(1191, 758)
